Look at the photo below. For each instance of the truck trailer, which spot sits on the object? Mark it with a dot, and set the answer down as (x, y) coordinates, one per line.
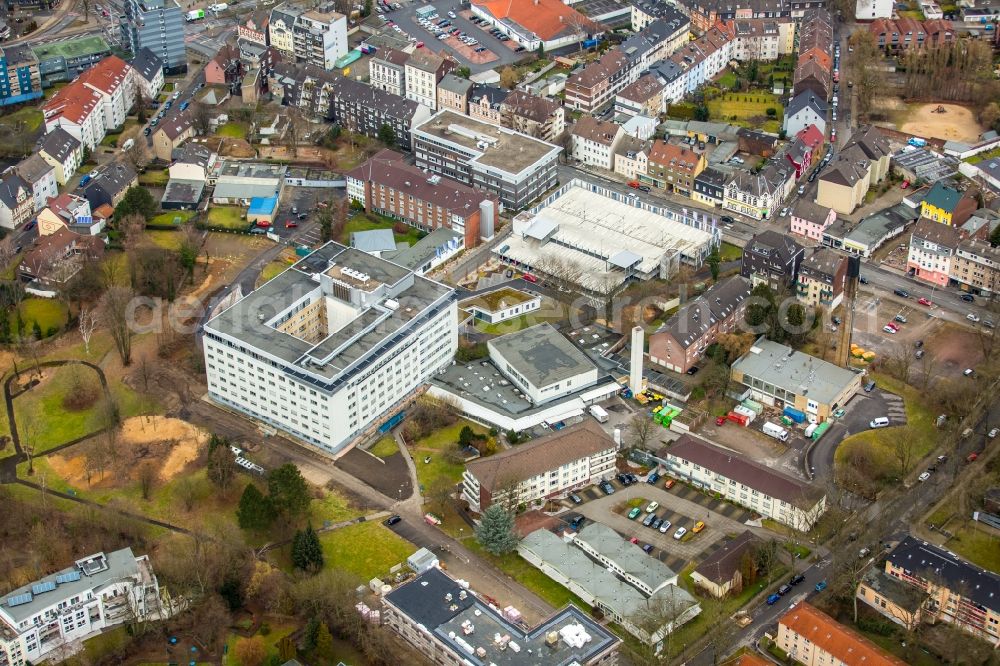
(599, 413)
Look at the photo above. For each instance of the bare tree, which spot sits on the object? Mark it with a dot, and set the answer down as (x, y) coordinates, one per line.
(201, 118)
(135, 156)
(88, 322)
(641, 428)
(116, 306)
(147, 478)
(903, 449)
(85, 6)
(294, 116)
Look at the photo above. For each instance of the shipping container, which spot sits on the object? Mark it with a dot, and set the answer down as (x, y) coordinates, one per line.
(755, 406)
(795, 414)
(737, 418)
(749, 413)
(823, 427)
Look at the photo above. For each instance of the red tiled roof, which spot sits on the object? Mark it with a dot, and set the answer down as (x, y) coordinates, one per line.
(673, 156)
(106, 75)
(546, 18)
(817, 55)
(79, 99)
(846, 645)
(811, 136)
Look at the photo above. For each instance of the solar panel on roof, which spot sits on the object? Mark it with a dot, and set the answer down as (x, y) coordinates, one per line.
(68, 577)
(39, 588)
(19, 599)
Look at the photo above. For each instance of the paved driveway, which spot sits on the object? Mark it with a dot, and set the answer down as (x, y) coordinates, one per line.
(861, 409)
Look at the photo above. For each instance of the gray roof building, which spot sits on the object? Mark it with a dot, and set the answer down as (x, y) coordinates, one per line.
(147, 64)
(424, 250)
(374, 241)
(923, 560)
(455, 84)
(793, 372)
(541, 354)
(59, 144)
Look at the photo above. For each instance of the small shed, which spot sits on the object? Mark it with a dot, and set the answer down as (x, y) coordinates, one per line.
(374, 241)
(422, 560)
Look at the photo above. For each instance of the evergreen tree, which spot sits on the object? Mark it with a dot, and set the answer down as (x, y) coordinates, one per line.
(309, 634)
(387, 135)
(137, 200)
(713, 263)
(307, 553)
(466, 436)
(495, 531)
(324, 643)
(255, 511)
(287, 490)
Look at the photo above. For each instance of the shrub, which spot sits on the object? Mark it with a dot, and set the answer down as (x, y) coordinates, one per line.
(771, 112)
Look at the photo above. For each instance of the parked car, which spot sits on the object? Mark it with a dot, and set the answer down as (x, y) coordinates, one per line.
(652, 506)
(888, 329)
(698, 527)
(773, 599)
(993, 433)
(869, 386)
(291, 224)
(796, 579)
(924, 476)
(920, 353)
(634, 513)
(648, 548)
(784, 589)
(820, 586)
(664, 526)
(634, 540)
(972, 316)
(968, 298)
(392, 520)
(681, 531)
(575, 499)
(669, 484)
(906, 294)
(653, 478)
(607, 488)
(720, 420)
(693, 370)
(648, 520)
(656, 523)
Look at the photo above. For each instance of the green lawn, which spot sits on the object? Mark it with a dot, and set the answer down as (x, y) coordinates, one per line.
(168, 240)
(747, 108)
(270, 642)
(45, 423)
(154, 178)
(526, 574)
(172, 217)
(86, 168)
(366, 550)
(430, 474)
(727, 80)
(385, 447)
(986, 155)
(272, 269)
(730, 252)
(48, 312)
(110, 140)
(232, 130)
(99, 647)
(920, 426)
(227, 217)
(27, 120)
(976, 545)
(369, 221)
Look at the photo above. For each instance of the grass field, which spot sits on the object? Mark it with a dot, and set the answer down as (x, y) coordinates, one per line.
(369, 221)
(526, 574)
(920, 427)
(741, 108)
(43, 421)
(49, 313)
(429, 474)
(154, 178)
(730, 252)
(385, 447)
(28, 120)
(519, 323)
(172, 217)
(976, 545)
(727, 80)
(232, 130)
(366, 550)
(227, 217)
(986, 155)
(272, 269)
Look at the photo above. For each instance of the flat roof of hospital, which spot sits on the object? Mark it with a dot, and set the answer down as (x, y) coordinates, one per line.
(510, 151)
(542, 355)
(247, 320)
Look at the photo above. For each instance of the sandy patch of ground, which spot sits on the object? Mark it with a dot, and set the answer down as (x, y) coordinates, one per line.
(957, 123)
(170, 443)
(955, 348)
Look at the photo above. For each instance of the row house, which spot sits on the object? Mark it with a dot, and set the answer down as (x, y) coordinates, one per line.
(804, 110)
(673, 167)
(453, 93)
(906, 33)
(632, 157)
(976, 267)
(772, 259)
(821, 279)
(423, 71)
(108, 185)
(710, 187)
(254, 28)
(706, 13)
(680, 343)
(758, 195)
(226, 68)
(811, 76)
(924, 583)
(387, 71)
(861, 163)
(656, 41)
(755, 142)
(706, 56)
(63, 151)
(673, 77)
(594, 141)
(540, 117)
(810, 220)
(596, 84)
(16, 201)
(485, 102)
(644, 12)
(932, 251)
(814, 140)
(644, 97)
(41, 177)
(798, 156)
(387, 185)
(94, 103)
(810, 636)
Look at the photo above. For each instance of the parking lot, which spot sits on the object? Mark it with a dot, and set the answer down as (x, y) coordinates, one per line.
(301, 200)
(497, 54)
(681, 505)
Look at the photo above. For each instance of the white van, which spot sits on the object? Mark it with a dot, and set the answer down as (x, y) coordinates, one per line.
(880, 422)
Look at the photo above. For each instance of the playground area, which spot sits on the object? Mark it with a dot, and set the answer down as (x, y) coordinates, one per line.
(950, 122)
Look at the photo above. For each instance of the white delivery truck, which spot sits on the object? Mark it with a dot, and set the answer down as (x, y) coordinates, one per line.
(776, 431)
(598, 413)
(128, 144)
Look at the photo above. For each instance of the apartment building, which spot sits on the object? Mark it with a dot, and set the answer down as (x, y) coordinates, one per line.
(515, 167)
(173, 131)
(844, 183)
(907, 33)
(762, 39)
(758, 195)
(447, 622)
(67, 58)
(387, 71)
(710, 187)
(797, 155)
(771, 258)
(680, 343)
(330, 347)
(810, 220)
(922, 582)
(94, 103)
(485, 102)
(805, 109)
(976, 267)
(453, 93)
(706, 13)
(41, 177)
(20, 80)
(947, 205)
(595, 141)
(644, 97)
(424, 69)
(673, 168)
(16, 201)
(811, 637)
(932, 251)
(632, 157)
(812, 76)
(776, 375)
(315, 36)
(745, 482)
(596, 84)
(821, 279)
(98, 592)
(157, 25)
(148, 73)
(536, 116)
(108, 184)
(544, 468)
(387, 185)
